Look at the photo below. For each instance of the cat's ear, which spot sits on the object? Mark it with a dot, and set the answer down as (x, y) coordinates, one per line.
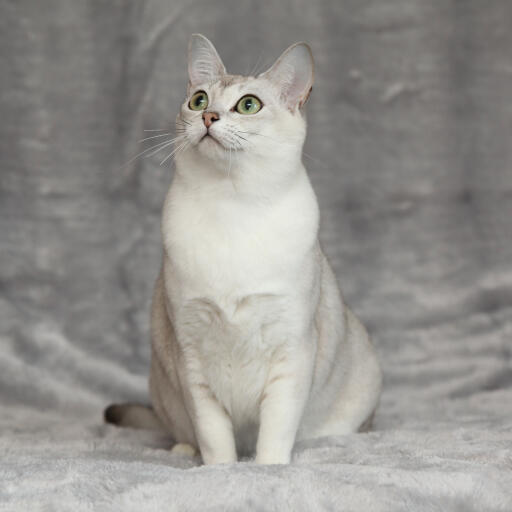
(293, 73)
(204, 64)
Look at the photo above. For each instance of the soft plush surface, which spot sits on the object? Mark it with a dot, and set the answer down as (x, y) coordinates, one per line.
(409, 152)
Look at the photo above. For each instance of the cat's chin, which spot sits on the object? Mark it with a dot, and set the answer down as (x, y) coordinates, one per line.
(210, 139)
(211, 147)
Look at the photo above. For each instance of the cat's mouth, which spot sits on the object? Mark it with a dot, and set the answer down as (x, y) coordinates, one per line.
(209, 137)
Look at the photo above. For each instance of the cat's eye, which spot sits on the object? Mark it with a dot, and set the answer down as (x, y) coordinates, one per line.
(199, 101)
(248, 105)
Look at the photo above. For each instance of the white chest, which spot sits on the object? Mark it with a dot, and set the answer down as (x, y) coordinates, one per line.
(235, 344)
(222, 247)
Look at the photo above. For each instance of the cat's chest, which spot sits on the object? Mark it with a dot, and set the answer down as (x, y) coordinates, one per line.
(225, 248)
(235, 344)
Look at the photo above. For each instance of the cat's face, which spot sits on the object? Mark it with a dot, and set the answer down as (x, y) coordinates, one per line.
(227, 116)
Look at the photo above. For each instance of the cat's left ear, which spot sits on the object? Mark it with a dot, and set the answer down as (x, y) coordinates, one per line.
(204, 63)
(293, 73)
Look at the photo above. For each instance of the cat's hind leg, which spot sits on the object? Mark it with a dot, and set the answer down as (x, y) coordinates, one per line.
(132, 415)
(184, 449)
(143, 417)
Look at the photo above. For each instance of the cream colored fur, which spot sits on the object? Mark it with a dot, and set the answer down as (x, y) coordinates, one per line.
(253, 347)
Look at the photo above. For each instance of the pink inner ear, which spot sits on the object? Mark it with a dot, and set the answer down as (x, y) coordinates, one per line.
(303, 102)
(293, 74)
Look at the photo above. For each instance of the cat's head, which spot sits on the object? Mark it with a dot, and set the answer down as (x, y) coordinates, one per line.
(227, 116)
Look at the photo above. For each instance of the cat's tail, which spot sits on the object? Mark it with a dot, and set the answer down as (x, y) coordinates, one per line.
(133, 416)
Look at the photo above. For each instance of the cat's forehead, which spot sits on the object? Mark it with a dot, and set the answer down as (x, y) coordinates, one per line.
(228, 80)
(229, 86)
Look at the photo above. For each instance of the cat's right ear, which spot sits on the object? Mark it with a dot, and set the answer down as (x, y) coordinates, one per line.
(204, 64)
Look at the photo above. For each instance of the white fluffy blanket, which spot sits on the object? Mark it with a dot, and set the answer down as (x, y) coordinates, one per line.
(464, 463)
(409, 151)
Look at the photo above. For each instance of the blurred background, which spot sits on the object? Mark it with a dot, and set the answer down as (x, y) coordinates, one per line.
(409, 151)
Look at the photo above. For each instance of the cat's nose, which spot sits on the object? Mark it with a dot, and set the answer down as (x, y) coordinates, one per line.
(209, 118)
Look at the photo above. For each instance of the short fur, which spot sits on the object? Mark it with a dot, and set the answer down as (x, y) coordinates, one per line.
(253, 347)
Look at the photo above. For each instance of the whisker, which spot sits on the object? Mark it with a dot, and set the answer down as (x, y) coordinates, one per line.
(180, 150)
(168, 143)
(323, 164)
(183, 148)
(256, 65)
(229, 169)
(157, 130)
(255, 133)
(229, 165)
(167, 157)
(176, 150)
(246, 141)
(155, 136)
(144, 152)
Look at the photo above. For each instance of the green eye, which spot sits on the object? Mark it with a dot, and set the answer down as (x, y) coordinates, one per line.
(199, 101)
(248, 105)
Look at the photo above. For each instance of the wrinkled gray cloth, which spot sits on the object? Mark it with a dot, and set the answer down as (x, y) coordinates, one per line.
(409, 151)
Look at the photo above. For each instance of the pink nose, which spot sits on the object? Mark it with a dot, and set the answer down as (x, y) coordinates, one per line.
(209, 118)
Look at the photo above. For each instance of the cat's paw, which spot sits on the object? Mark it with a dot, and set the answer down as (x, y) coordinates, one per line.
(272, 458)
(184, 449)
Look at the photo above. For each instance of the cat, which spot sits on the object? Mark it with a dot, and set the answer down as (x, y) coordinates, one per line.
(252, 345)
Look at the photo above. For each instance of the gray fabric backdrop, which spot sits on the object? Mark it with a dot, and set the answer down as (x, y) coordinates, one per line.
(409, 150)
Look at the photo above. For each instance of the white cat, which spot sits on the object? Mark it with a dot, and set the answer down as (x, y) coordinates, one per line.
(253, 347)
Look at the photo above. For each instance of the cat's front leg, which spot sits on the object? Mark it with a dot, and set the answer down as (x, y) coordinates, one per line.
(213, 427)
(212, 424)
(282, 406)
